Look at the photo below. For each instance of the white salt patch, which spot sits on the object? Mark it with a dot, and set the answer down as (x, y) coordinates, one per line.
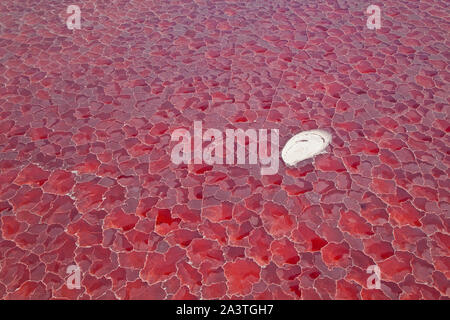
(305, 145)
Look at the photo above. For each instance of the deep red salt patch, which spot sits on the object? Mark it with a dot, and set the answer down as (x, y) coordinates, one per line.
(11, 227)
(241, 214)
(370, 294)
(334, 89)
(213, 177)
(164, 222)
(363, 145)
(383, 171)
(6, 179)
(139, 240)
(238, 233)
(182, 237)
(354, 224)
(365, 67)
(160, 267)
(333, 196)
(443, 243)
(145, 205)
(427, 192)
(274, 179)
(214, 291)
(357, 275)
(241, 275)
(133, 259)
(184, 294)
(381, 186)
(38, 133)
(336, 254)
(299, 172)
(202, 250)
(189, 276)
(352, 163)
(6, 126)
(89, 196)
(218, 213)
(309, 239)
(33, 290)
(442, 124)
(277, 220)
(84, 136)
(425, 82)
(139, 290)
(347, 291)
(401, 196)
(120, 220)
(260, 246)
(283, 252)
(32, 175)
(96, 287)
(59, 182)
(200, 168)
(186, 214)
(407, 238)
(442, 263)
(113, 198)
(328, 162)
(300, 188)
(89, 165)
(378, 249)
(254, 202)
(214, 231)
(406, 214)
(87, 234)
(26, 198)
(396, 267)
(211, 274)
(60, 211)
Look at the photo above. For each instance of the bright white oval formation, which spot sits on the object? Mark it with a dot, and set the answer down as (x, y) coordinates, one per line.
(305, 145)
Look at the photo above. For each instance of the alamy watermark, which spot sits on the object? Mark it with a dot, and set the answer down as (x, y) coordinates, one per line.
(374, 281)
(374, 19)
(74, 20)
(213, 153)
(74, 279)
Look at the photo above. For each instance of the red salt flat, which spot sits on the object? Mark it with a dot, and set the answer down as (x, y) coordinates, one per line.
(86, 176)
(241, 274)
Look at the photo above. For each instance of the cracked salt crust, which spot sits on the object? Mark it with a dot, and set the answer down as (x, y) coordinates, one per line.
(305, 145)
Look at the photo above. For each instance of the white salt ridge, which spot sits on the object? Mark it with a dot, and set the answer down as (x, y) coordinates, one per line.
(305, 145)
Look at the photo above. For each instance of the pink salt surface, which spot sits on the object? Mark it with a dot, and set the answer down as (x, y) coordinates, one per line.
(85, 170)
